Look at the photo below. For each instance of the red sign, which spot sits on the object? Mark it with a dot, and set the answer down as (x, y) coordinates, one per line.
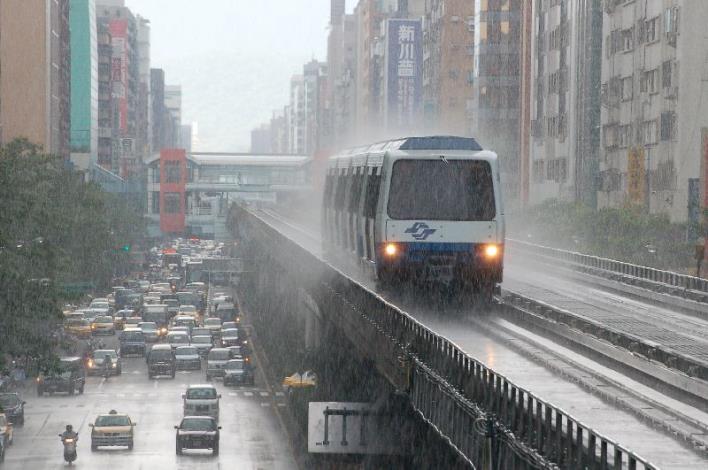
(173, 183)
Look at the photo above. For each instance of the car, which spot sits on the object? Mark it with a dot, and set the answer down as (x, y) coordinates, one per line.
(184, 320)
(188, 310)
(78, 326)
(6, 431)
(112, 429)
(197, 432)
(203, 343)
(230, 337)
(132, 341)
(201, 331)
(13, 406)
(95, 362)
(99, 302)
(161, 361)
(103, 325)
(188, 358)
(214, 325)
(238, 372)
(201, 400)
(216, 360)
(132, 322)
(177, 338)
(150, 331)
(92, 313)
(228, 325)
(69, 377)
(226, 311)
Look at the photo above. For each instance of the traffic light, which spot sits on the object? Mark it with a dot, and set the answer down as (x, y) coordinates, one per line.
(125, 248)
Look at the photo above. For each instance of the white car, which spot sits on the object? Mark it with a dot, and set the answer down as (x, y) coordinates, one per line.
(203, 343)
(201, 400)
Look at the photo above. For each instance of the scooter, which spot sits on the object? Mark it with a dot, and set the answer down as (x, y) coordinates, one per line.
(69, 448)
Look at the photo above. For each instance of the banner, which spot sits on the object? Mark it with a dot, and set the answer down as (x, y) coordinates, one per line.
(636, 175)
(404, 73)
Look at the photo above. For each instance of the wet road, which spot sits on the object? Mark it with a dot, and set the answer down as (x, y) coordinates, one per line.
(251, 435)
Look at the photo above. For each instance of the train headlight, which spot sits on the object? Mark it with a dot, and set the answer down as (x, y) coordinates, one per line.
(491, 251)
(391, 249)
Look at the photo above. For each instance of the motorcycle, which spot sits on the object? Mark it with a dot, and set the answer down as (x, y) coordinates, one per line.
(69, 448)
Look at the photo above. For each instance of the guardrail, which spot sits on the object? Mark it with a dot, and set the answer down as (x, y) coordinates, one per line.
(450, 390)
(682, 281)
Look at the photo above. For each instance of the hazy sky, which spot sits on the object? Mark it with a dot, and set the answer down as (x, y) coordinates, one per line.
(233, 58)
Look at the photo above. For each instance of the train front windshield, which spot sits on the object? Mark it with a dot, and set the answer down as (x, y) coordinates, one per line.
(457, 190)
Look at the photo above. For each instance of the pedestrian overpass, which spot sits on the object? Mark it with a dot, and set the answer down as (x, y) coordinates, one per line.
(188, 193)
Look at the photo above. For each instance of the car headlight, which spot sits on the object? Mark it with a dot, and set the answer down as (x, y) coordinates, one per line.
(90, 363)
(114, 365)
(491, 251)
(391, 250)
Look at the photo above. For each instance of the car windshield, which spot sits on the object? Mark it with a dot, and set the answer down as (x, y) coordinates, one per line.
(103, 320)
(186, 352)
(160, 355)
(132, 336)
(75, 322)
(8, 400)
(201, 339)
(212, 322)
(230, 333)
(178, 339)
(441, 189)
(198, 424)
(201, 332)
(102, 353)
(234, 365)
(148, 326)
(205, 393)
(112, 420)
(228, 325)
(218, 355)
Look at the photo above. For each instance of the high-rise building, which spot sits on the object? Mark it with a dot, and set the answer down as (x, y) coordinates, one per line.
(296, 116)
(143, 108)
(654, 126)
(84, 84)
(448, 76)
(125, 78)
(261, 140)
(35, 71)
(564, 100)
(173, 101)
(337, 10)
(107, 122)
(341, 87)
(494, 109)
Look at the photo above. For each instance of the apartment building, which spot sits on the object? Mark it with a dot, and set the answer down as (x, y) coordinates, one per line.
(653, 121)
(566, 58)
(35, 71)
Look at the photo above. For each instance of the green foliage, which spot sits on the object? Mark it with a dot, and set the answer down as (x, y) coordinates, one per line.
(56, 227)
(627, 234)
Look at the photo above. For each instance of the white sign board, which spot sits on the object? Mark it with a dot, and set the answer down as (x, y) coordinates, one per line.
(346, 428)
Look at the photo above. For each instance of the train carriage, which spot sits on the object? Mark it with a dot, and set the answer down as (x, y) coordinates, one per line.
(417, 209)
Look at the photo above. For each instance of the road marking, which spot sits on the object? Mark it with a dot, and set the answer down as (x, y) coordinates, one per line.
(154, 383)
(248, 394)
(265, 404)
(120, 395)
(279, 394)
(137, 395)
(264, 394)
(282, 405)
(152, 395)
(136, 372)
(232, 394)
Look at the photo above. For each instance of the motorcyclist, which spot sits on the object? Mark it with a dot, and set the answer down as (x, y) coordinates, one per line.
(69, 433)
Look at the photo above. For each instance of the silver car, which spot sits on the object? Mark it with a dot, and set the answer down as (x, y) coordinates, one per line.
(187, 358)
(201, 400)
(203, 343)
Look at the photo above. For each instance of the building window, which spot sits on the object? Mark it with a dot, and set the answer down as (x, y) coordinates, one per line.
(155, 209)
(627, 88)
(173, 203)
(649, 131)
(627, 42)
(624, 134)
(668, 125)
(538, 171)
(648, 81)
(453, 74)
(557, 170)
(650, 30)
(173, 172)
(666, 74)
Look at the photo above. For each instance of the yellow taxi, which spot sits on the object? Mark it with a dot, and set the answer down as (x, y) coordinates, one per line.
(103, 325)
(6, 433)
(112, 429)
(78, 327)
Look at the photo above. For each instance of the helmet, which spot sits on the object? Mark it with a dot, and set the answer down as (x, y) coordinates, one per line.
(69, 428)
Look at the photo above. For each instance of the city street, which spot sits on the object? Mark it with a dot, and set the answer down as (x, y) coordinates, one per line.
(251, 435)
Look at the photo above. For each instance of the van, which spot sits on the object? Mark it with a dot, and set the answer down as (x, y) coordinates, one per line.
(69, 377)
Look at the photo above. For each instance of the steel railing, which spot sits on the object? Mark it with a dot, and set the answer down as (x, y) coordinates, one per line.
(682, 281)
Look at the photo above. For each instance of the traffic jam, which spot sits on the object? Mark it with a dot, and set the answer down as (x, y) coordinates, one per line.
(177, 317)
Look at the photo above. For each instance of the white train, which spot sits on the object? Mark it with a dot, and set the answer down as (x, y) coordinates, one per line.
(419, 208)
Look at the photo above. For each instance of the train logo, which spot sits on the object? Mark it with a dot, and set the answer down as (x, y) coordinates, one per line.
(420, 231)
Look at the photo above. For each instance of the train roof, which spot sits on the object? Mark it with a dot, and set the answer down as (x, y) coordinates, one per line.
(453, 144)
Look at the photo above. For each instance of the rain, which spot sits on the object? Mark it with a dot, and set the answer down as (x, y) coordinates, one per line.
(353, 234)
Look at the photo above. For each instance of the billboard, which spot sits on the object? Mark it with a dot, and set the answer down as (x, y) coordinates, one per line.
(403, 84)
